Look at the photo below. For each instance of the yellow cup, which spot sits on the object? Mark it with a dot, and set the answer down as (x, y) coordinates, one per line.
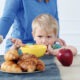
(37, 50)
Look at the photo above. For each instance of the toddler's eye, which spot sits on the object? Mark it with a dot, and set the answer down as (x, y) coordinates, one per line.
(49, 36)
(40, 36)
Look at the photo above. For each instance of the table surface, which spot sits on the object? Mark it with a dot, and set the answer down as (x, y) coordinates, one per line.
(54, 71)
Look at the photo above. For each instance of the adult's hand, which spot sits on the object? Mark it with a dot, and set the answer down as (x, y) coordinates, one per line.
(1, 39)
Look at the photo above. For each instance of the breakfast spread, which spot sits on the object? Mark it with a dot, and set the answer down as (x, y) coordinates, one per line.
(16, 63)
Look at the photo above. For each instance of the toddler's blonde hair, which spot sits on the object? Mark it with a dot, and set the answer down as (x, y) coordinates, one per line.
(45, 22)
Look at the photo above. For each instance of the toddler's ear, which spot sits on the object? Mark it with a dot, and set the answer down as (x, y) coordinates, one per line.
(33, 35)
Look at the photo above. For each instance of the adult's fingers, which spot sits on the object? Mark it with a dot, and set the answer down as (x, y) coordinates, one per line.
(1, 39)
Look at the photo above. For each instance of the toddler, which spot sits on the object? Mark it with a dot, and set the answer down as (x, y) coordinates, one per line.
(45, 31)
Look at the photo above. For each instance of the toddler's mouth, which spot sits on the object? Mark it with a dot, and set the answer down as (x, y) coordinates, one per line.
(47, 47)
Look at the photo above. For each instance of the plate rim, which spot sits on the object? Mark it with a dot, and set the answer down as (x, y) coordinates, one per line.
(20, 72)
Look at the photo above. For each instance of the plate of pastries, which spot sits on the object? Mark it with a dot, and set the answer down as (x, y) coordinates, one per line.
(24, 63)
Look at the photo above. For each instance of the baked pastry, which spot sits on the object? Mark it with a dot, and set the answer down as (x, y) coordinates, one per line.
(11, 54)
(40, 65)
(27, 56)
(28, 62)
(28, 65)
(25, 62)
(10, 66)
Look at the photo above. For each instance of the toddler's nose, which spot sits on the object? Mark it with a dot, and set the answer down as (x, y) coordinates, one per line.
(44, 41)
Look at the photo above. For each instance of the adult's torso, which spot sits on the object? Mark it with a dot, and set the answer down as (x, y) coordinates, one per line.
(28, 10)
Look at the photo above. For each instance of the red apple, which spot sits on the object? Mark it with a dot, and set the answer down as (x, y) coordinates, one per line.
(65, 56)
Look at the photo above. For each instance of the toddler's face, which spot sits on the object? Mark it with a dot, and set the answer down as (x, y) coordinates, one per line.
(41, 37)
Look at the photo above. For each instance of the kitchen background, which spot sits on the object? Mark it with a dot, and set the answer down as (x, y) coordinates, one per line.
(69, 18)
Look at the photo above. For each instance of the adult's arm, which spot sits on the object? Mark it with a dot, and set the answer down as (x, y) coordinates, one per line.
(56, 13)
(9, 13)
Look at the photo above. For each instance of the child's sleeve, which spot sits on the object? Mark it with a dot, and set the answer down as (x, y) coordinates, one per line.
(19, 50)
(56, 46)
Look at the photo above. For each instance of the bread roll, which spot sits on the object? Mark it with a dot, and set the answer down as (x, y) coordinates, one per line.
(12, 54)
(28, 65)
(9, 66)
(40, 65)
(27, 56)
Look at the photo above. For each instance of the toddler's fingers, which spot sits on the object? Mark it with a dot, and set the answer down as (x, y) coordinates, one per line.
(19, 44)
(61, 42)
(49, 47)
(47, 52)
(12, 40)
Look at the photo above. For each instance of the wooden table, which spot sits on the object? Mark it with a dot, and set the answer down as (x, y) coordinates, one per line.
(54, 71)
(72, 72)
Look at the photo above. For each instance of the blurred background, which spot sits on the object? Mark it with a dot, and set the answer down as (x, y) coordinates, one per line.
(69, 19)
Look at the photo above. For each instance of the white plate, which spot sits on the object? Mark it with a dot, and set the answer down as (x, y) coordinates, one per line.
(20, 72)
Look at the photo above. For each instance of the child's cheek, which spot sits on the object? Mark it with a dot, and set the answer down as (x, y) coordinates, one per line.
(51, 42)
(38, 42)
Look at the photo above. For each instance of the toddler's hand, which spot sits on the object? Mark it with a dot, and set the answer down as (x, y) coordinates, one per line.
(47, 53)
(17, 42)
(49, 50)
(52, 51)
(62, 42)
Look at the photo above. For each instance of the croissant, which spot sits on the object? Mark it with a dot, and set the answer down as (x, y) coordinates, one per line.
(28, 65)
(9, 66)
(40, 65)
(27, 56)
(11, 54)
(31, 68)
